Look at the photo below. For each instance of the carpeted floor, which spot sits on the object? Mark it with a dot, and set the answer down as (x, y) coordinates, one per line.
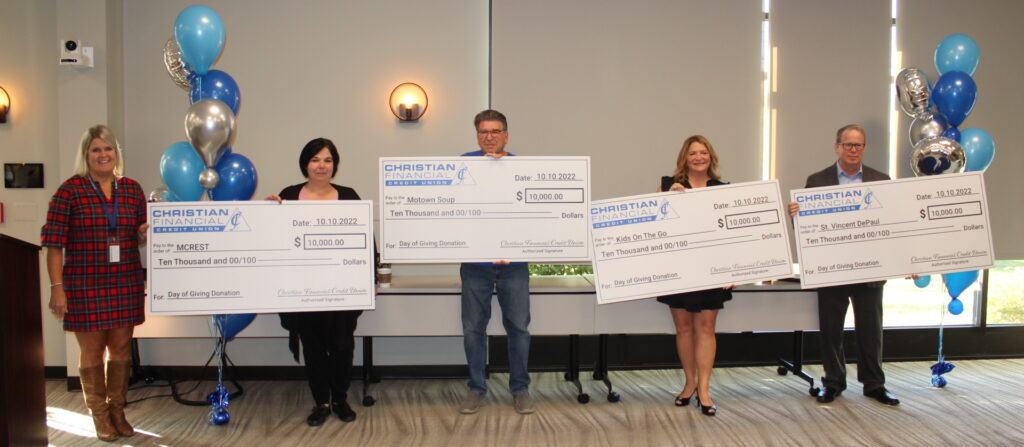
(983, 405)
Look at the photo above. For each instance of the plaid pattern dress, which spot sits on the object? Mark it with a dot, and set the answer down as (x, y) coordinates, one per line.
(101, 295)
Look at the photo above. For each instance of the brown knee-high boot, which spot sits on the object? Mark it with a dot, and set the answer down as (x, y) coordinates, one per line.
(95, 390)
(118, 374)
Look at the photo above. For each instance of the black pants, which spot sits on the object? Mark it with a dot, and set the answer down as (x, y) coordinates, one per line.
(867, 317)
(328, 345)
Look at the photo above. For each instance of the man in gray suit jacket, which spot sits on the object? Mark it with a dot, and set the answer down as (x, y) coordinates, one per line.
(866, 297)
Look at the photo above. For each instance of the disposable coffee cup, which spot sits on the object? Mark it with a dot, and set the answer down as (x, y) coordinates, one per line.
(384, 277)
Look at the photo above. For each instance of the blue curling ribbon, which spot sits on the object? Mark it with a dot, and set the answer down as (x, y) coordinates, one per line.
(219, 398)
(941, 367)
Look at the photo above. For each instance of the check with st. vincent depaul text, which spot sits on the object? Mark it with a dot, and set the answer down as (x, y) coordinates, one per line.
(260, 256)
(482, 209)
(890, 229)
(672, 242)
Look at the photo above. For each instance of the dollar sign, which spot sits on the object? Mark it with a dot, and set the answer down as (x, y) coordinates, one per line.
(298, 242)
(519, 196)
(721, 224)
(923, 213)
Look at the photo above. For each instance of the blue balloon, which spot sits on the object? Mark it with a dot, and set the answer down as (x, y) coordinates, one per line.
(180, 166)
(957, 282)
(217, 85)
(231, 324)
(956, 307)
(979, 148)
(922, 281)
(952, 133)
(237, 178)
(220, 417)
(957, 52)
(954, 94)
(200, 35)
(170, 196)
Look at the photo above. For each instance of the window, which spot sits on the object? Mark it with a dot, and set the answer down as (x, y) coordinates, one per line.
(1006, 293)
(560, 269)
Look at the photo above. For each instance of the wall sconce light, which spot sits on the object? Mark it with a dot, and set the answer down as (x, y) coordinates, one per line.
(5, 105)
(408, 101)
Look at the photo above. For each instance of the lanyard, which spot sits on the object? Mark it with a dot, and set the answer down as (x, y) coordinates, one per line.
(111, 218)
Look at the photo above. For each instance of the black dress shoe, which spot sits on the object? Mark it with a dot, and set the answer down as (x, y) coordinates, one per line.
(344, 412)
(883, 396)
(827, 395)
(318, 416)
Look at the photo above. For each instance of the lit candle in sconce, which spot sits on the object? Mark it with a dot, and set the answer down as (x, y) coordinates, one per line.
(5, 105)
(408, 102)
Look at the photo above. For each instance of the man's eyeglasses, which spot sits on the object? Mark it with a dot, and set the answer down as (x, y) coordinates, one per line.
(492, 132)
(852, 146)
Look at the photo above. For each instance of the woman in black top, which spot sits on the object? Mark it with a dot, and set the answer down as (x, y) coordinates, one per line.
(327, 337)
(695, 313)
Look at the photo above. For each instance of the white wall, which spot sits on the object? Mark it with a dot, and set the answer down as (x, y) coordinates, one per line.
(627, 82)
(28, 71)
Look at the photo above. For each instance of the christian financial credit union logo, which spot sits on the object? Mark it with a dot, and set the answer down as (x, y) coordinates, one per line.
(198, 220)
(634, 212)
(812, 203)
(427, 174)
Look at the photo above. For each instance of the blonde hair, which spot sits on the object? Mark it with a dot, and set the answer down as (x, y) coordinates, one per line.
(681, 174)
(82, 159)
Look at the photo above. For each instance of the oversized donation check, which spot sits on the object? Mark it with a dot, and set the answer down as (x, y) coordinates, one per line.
(479, 209)
(671, 242)
(879, 230)
(260, 256)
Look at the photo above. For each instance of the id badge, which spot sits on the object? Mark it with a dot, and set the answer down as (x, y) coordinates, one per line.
(113, 249)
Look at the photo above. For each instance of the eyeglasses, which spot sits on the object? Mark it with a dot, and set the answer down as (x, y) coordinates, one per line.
(492, 132)
(852, 146)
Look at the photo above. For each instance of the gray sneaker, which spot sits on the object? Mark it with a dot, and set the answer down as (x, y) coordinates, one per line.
(523, 403)
(472, 403)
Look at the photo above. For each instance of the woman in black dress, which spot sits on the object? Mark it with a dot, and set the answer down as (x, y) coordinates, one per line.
(327, 337)
(695, 313)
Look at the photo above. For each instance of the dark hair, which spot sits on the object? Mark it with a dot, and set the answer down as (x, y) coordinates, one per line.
(490, 115)
(314, 147)
(857, 127)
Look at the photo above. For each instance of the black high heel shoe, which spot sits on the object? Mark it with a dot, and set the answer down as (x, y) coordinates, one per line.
(709, 410)
(684, 401)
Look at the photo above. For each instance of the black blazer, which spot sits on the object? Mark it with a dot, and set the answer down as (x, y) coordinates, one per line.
(344, 192)
(830, 177)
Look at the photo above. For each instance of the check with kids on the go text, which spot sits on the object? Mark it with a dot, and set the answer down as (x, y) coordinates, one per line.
(671, 242)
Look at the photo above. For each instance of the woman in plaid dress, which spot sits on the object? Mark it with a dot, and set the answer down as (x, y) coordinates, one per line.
(94, 228)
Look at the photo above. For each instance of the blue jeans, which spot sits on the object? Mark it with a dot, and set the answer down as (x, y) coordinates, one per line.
(513, 285)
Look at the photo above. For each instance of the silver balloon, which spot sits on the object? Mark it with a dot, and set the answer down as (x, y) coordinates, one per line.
(210, 129)
(939, 155)
(927, 125)
(159, 194)
(209, 178)
(912, 91)
(175, 67)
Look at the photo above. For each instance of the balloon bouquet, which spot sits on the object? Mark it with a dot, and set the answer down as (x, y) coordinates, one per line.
(206, 162)
(940, 146)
